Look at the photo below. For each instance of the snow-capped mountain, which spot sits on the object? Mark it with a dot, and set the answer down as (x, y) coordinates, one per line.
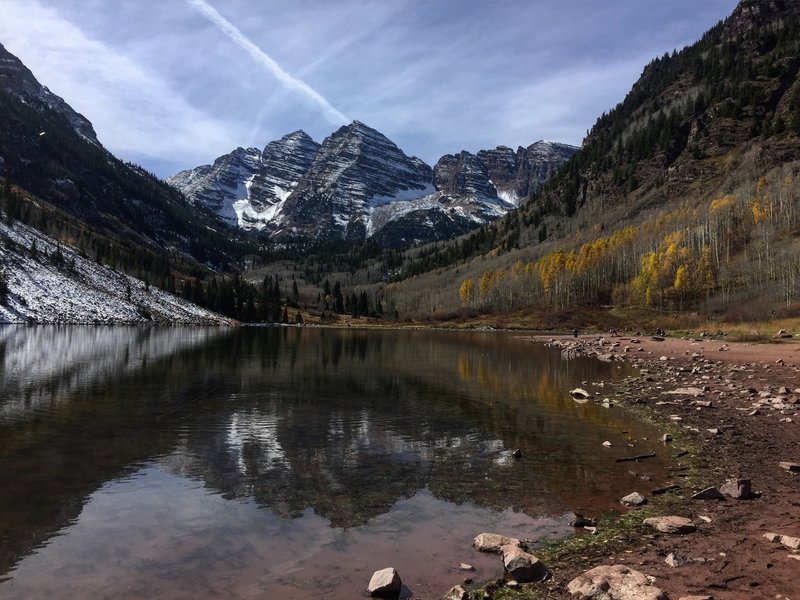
(356, 170)
(221, 185)
(17, 79)
(248, 187)
(359, 184)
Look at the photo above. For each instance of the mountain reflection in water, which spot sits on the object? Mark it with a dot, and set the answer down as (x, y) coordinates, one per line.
(307, 440)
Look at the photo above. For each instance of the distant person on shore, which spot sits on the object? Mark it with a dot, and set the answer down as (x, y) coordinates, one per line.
(574, 333)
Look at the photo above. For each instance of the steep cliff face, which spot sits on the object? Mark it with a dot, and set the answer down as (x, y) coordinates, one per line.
(518, 175)
(17, 80)
(222, 185)
(356, 170)
(248, 187)
(284, 162)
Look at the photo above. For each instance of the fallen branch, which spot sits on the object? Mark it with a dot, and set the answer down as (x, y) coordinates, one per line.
(637, 457)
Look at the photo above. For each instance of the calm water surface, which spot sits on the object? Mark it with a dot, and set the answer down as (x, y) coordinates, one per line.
(289, 463)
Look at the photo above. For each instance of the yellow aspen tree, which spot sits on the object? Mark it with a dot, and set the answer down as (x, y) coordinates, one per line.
(467, 291)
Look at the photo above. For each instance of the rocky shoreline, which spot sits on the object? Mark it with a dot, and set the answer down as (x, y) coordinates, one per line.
(728, 524)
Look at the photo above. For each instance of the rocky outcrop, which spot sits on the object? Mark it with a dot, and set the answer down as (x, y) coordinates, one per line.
(356, 170)
(518, 175)
(222, 185)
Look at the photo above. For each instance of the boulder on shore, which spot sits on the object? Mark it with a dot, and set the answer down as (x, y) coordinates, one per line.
(672, 524)
(615, 582)
(385, 583)
(633, 499)
(738, 489)
(522, 566)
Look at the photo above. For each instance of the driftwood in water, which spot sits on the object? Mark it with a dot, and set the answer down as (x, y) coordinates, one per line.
(637, 457)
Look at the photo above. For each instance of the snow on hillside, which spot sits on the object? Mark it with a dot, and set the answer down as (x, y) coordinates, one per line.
(80, 291)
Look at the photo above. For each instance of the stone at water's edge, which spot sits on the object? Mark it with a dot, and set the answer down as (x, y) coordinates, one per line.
(615, 582)
(456, 593)
(634, 499)
(492, 542)
(385, 582)
(671, 524)
(522, 566)
(738, 489)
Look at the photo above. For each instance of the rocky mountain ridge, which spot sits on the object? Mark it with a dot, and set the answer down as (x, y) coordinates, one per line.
(18, 80)
(358, 184)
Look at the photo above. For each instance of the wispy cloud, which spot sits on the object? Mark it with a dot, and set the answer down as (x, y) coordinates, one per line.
(294, 84)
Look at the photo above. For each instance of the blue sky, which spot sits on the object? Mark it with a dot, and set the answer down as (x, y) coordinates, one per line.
(171, 84)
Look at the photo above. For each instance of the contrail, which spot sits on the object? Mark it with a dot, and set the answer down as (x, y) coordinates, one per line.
(293, 83)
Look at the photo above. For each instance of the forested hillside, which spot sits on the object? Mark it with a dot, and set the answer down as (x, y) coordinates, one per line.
(684, 196)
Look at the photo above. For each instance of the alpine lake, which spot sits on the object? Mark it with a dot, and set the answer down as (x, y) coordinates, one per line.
(291, 462)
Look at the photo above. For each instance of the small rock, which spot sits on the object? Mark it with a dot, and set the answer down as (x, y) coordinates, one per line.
(634, 499)
(704, 518)
(517, 454)
(713, 431)
(616, 581)
(710, 493)
(789, 466)
(790, 542)
(687, 391)
(580, 393)
(456, 593)
(523, 566)
(466, 567)
(673, 560)
(607, 444)
(785, 540)
(738, 489)
(672, 524)
(385, 582)
(492, 542)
